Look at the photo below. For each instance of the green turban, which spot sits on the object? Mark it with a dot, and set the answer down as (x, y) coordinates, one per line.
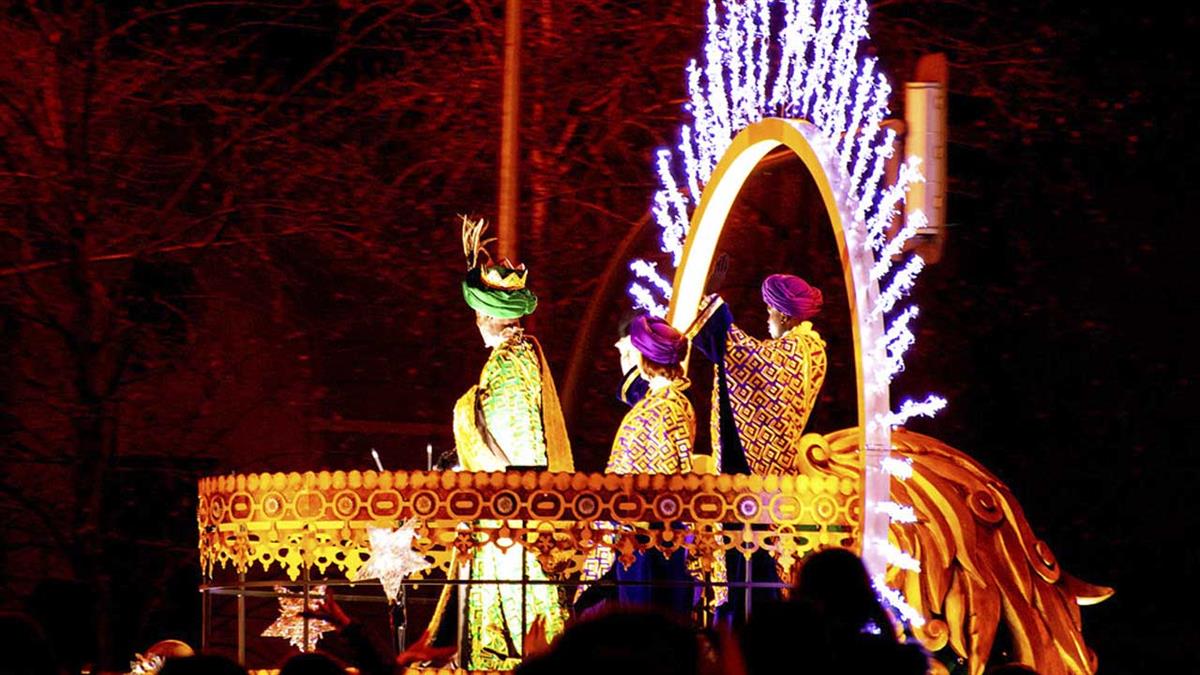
(501, 303)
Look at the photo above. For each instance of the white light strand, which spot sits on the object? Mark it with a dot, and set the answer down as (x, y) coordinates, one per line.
(901, 284)
(862, 95)
(673, 206)
(718, 105)
(893, 344)
(898, 467)
(814, 83)
(796, 35)
(898, 336)
(644, 299)
(897, 558)
(910, 409)
(890, 201)
(763, 72)
(648, 271)
(695, 134)
(688, 148)
(895, 245)
(869, 147)
(896, 600)
(661, 209)
(854, 20)
(868, 188)
(898, 513)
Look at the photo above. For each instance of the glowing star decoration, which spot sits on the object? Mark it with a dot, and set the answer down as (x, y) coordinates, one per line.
(798, 60)
(290, 624)
(392, 558)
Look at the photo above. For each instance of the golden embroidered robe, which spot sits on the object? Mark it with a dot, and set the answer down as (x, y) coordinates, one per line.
(511, 418)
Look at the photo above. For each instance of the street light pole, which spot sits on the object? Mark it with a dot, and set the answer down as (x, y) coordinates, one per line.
(509, 244)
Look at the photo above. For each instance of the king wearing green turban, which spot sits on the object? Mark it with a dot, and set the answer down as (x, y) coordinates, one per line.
(512, 417)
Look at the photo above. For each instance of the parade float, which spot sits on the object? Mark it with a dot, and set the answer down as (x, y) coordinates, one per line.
(945, 541)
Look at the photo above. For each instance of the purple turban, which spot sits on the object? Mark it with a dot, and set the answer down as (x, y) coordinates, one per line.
(657, 340)
(791, 295)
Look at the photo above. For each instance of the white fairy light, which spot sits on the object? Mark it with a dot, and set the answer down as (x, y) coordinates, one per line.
(644, 299)
(648, 271)
(834, 108)
(869, 150)
(814, 84)
(890, 201)
(688, 148)
(899, 326)
(876, 161)
(895, 245)
(898, 513)
(862, 93)
(894, 343)
(670, 209)
(910, 409)
(898, 467)
(901, 284)
(895, 599)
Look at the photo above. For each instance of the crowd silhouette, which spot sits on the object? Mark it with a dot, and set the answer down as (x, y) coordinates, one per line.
(831, 621)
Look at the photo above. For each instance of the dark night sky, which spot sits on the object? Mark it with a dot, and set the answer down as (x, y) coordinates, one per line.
(1059, 324)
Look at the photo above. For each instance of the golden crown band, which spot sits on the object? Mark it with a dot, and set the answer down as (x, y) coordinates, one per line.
(504, 278)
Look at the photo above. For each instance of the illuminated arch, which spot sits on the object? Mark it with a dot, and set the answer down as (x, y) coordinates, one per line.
(745, 152)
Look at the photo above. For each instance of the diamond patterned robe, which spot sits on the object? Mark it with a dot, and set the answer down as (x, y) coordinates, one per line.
(657, 434)
(763, 393)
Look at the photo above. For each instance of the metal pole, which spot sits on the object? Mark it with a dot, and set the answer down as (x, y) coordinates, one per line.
(305, 610)
(748, 578)
(524, 586)
(241, 618)
(205, 618)
(509, 244)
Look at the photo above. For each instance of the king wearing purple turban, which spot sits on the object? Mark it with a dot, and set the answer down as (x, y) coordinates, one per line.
(762, 395)
(764, 389)
(656, 436)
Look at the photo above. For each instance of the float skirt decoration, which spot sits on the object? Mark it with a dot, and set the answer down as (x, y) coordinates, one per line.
(319, 521)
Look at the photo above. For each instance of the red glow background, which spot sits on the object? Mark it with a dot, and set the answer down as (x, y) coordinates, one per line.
(228, 243)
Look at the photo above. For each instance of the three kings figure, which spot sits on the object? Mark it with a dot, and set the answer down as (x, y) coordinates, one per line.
(763, 393)
(511, 418)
